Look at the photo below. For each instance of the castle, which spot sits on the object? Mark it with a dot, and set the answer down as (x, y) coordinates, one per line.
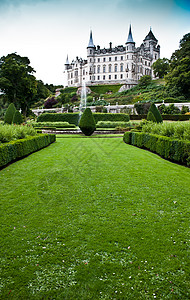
(119, 65)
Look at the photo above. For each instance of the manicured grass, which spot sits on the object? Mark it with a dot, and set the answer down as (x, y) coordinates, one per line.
(93, 219)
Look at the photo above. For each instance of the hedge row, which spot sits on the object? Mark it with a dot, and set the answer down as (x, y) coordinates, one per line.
(164, 117)
(111, 117)
(45, 125)
(73, 118)
(17, 149)
(168, 148)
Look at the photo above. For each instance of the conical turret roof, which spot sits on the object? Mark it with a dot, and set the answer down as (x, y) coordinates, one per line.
(150, 36)
(130, 37)
(91, 43)
(67, 60)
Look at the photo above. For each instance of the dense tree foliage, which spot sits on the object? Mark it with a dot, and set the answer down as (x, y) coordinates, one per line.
(17, 81)
(145, 80)
(179, 74)
(161, 67)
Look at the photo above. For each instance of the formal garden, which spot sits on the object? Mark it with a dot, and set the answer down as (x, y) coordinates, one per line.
(95, 205)
(91, 216)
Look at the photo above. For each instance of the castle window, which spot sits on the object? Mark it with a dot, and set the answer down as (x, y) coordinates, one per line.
(155, 56)
(109, 58)
(83, 72)
(121, 68)
(104, 59)
(145, 63)
(90, 51)
(98, 59)
(121, 76)
(115, 68)
(127, 48)
(98, 69)
(127, 56)
(90, 77)
(104, 69)
(121, 57)
(104, 77)
(109, 77)
(109, 68)
(115, 76)
(116, 58)
(98, 77)
(90, 59)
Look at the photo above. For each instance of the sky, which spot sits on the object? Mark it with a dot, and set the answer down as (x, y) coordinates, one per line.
(46, 31)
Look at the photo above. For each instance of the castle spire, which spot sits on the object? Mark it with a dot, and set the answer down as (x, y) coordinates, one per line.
(91, 43)
(130, 37)
(67, 60)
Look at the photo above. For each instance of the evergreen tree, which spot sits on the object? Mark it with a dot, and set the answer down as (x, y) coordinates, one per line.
(87, 123)
(153, 109)
(10, 114)
(151, 117)
(17, 119)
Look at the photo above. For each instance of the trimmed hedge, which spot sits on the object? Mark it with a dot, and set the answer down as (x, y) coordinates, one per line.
(111, 117)
(17, 149)
(168, 148)
(164, 117)
(45, 125)
(73, 118)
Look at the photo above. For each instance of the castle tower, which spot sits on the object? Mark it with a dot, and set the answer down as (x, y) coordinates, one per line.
(90, 57)
(67, 63)
(130, 49)
(150, 44)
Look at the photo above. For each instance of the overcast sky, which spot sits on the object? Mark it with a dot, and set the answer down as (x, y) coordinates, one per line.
(47, 30)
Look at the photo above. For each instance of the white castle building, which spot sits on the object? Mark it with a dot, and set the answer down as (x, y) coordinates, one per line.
(114, 65)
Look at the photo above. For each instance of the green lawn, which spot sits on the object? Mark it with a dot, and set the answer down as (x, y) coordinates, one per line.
(94, 218)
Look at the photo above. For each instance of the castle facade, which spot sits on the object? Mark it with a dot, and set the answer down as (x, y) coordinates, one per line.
(114, 65)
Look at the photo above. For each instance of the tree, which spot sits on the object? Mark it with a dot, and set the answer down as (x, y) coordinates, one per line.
(179, 73)
(87, 123)
(156, 114)
(16, 80)
(145, 80)
(161, 67)
(9, 115)
(17, 119)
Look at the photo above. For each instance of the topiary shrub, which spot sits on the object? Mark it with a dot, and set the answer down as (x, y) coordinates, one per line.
(87, 123)
(151, 117)
(10, 114)
(17, 119)
(153, 109)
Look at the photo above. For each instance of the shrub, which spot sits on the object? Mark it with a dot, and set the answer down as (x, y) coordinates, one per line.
(14, 132)
(10, 114)
(71, 118)
(168, 148)
(179, 130)
(87, 123)
(53, 124)
(17, 119)
(50, 102)
(184, 109)
(142, 108)
(108, 124)
(17, 149)
(151, 117)
(111, 117)
(153, 109)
